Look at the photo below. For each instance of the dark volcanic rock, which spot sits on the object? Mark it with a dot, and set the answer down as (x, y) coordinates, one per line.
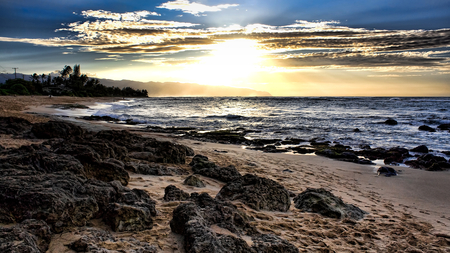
(272, 243)
(257, 192)
(420, 149)
(28, 236)
(391, 122)
(57, 129)
(154, 169)
(194, 221)
(122, 217)
(444, 126)
(429, 162)
(99, 118)
(172, 193)
(201, 165)
(396, 155)
(193, 180)
(387, 171)
(13, 125)
(324, 202)
(427, 128)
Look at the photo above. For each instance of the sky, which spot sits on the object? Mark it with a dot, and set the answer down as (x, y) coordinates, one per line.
(284, 47)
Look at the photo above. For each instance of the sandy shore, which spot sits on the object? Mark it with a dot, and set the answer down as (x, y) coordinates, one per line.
(404, 211)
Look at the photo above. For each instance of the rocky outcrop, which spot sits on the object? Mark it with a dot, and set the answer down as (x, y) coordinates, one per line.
(420, 149)
(28, 236)
(390, 122)
(57, 129)
(429, 162)
(194, 219)
(257, 192)
(427, 128)
(154, 169)
(122, 217)
(386, 171)
(325, 203)
(172, 193)
(201, 165)
(13, 125)
(193, 180)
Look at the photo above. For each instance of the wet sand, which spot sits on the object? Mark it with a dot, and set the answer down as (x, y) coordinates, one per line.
(405, 213)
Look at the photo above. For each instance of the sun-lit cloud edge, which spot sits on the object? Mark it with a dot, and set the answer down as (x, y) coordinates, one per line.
(193, 7)
(286, 47)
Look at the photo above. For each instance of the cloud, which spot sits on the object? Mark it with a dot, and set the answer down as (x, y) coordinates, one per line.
(127, 16)
(193, 8)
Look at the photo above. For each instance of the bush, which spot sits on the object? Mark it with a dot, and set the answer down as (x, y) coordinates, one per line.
(19, 89)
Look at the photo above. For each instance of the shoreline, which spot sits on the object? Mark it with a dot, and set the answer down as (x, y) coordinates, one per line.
(421, 194)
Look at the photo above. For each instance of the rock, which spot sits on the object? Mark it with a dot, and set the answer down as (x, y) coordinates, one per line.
(100, 118)
(257, 192)
(444, 127)
(95, 240)
(122, 217)
(420, 149)
(356, 130)
(324, 202)
(427, 128)
(429, 162)
(57, 129)
(387, 171)
(155, 169)
(13, 125)
(201, 165)
(194, 219)
(28, 236)
(107, 171)
(272, 243)
(391, 122)
(193, 180)
(396, 155)
(172, 193)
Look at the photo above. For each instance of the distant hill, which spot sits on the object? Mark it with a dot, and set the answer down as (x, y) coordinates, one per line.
(159, 89)
(168, 89)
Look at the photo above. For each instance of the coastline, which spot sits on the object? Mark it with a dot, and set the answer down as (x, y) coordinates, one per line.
(412, 199)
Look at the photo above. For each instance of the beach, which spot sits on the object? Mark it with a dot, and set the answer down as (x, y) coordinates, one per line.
(405, 213)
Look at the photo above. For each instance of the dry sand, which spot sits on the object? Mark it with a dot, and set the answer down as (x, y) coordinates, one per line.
(407, 213)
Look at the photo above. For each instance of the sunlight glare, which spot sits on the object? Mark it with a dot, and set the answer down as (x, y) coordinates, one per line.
(230, 63)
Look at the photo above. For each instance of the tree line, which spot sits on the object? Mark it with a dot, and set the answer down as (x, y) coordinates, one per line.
(69, 82)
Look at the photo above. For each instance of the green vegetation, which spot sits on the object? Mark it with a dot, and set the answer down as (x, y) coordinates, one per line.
(70, 82)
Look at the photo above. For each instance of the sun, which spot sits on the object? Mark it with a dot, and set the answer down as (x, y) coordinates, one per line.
(230, 63)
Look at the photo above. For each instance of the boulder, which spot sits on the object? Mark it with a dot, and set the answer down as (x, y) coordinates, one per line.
(201, 165)
(122, 217)
(420, 149)
(391, 122)
(427, 128)
(194, 219)
(444, 127)
(396, 155)
(257, 192)
(386, 171)
(57, 129)
(429, 162)
(172, 193)
(13, 125)
(28, 236)
(193, 180)
(325, 203)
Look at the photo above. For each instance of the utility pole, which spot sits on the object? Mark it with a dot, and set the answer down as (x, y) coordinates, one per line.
(15, 76)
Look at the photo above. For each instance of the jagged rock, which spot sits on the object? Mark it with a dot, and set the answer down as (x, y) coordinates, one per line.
(94, 239)
(107, 171)
(396, 155)
(122, 217)
(194, 220)
(324, 202)
(154, 169)
(172, 193)
(57, 129)
(427, 128)
(28, 236)
(387, 171)
(420, 149)
(257, 192)
(201, 165)
(193, 180)
(391, 122)
(13, 125)
(272, 243)
(429, 162)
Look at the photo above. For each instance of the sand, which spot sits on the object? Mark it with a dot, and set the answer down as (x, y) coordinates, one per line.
(409, 212)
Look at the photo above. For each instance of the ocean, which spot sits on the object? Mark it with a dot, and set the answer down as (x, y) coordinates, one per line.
(325, 118)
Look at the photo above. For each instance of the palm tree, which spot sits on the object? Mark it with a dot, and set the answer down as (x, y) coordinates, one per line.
(43, 78)
(65, 72)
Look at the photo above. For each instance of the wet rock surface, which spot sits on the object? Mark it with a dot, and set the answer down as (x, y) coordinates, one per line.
(193, 180)
(387, 171)
(325, 203)
(28, 236)
(257, 192)
(172, 193)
